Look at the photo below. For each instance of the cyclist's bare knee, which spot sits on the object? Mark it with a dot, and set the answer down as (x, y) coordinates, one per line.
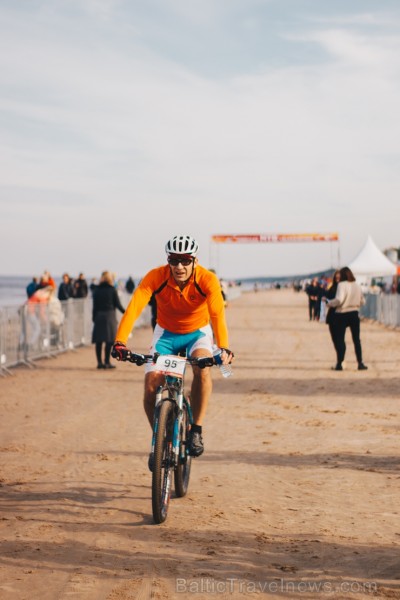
(201, 376)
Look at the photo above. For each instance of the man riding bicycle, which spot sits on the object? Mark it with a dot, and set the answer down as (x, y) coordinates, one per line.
(190, 313)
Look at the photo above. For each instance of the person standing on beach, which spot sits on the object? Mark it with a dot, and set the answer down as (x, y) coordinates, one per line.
(32, 287)
(80, 287)
(47, 280)
(105, 302)
(348, 300)
(190, 311)
(66, 289)
(129, 285)
(313, 293)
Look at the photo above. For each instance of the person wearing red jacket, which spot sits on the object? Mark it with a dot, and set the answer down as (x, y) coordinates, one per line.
(47, 281)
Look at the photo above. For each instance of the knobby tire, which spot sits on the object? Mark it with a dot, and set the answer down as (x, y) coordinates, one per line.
(182, 471)
(163, 459)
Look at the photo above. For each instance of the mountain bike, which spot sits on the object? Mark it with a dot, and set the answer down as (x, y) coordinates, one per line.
(171, 425)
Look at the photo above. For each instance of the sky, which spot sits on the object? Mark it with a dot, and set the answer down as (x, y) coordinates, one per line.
(123, 123)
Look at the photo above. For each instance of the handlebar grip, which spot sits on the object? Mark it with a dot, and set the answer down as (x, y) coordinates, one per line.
(138, 359)
(134, 358)
(207, 361)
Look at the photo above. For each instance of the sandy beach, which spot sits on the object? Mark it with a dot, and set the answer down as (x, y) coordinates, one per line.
(296, 495)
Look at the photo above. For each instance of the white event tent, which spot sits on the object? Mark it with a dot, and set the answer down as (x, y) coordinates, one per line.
(371, 262)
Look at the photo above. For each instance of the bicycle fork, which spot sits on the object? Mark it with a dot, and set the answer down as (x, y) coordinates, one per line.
(156, 418)
(178, 398)
(177, 428)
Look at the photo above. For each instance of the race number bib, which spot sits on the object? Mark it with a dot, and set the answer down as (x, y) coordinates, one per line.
(171, 365)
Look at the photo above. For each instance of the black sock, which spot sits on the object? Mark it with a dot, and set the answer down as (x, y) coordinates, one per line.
(196, 428)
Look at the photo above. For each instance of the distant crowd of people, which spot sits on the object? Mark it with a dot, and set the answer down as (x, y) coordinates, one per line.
(72, 288)
(68, 288)
(45, 307)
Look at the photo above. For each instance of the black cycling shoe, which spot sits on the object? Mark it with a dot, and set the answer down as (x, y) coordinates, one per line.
(362, 367)
(195, 443)
(338, 367)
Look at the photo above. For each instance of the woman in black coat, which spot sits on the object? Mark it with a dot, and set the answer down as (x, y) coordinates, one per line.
(105, 302)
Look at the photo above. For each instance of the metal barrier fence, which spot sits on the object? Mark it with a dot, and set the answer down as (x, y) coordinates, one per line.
(30, 332)
(39, 330)
(384, 308)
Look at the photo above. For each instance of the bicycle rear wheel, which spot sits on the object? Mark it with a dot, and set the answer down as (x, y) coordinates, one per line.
(182, 471)
(163, 462)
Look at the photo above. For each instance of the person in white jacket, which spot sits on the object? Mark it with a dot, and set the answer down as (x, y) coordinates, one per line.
(348, 300)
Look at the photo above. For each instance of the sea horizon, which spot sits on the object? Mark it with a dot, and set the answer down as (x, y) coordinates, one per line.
(13, 287)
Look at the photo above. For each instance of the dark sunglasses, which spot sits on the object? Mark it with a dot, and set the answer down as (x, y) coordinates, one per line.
(185, 261)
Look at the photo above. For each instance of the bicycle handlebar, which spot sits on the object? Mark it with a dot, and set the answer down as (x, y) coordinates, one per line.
(140, 359)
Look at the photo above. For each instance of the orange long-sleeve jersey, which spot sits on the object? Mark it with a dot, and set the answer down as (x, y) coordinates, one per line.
(179, 311)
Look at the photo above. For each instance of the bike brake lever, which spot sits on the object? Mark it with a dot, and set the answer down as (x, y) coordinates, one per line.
(207, 361)
(139, 359)
(131, 357)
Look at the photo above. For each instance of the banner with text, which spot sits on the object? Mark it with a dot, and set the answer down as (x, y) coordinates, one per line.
(274, 237)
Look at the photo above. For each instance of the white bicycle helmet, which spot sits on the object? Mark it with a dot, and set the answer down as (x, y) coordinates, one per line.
(182, 244)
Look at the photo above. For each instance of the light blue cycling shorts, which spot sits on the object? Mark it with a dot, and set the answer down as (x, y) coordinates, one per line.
(166, 342)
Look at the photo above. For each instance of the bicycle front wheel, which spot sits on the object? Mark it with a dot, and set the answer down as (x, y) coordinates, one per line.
(182, 471)
(163, 462)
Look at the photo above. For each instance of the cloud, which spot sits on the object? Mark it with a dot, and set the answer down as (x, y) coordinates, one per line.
(358, 50)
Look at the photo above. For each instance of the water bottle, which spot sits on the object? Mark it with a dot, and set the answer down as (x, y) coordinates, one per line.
(226, 370)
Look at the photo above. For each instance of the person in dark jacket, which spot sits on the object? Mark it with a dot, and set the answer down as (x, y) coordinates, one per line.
(32, 287)
(130, 285)
(80, 287)
(105, 303)
(313, 293)
(66, 289)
